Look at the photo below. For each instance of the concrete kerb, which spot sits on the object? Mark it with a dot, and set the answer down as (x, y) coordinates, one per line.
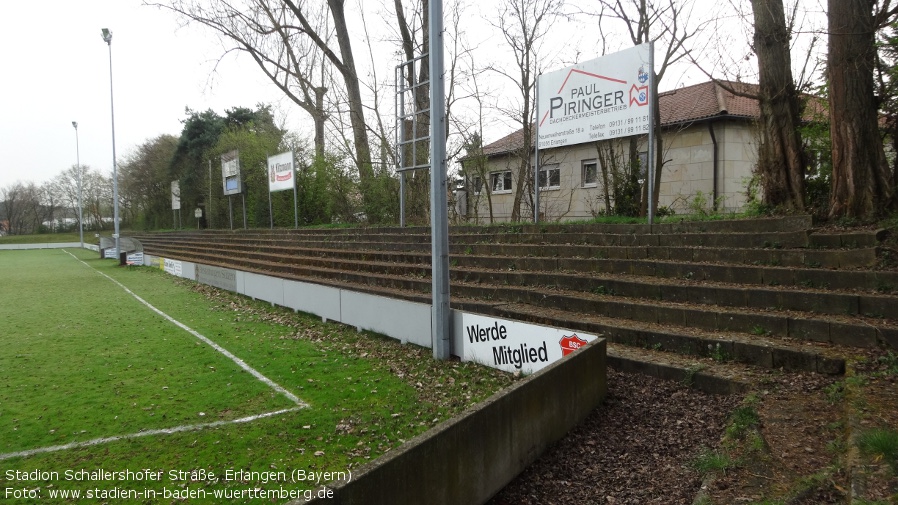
(469, 458)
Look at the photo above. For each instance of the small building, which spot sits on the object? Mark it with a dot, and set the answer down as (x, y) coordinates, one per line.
(709, 152)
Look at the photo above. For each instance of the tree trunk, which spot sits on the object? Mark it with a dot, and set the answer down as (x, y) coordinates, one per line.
(862, 186)
(371, 200)
(781, 165)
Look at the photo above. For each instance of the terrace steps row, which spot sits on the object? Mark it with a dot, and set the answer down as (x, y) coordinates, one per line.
(745, 299)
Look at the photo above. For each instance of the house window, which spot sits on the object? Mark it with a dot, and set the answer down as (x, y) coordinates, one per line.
(643, 165)
(589, 174)
(550, 177)
(500, 181)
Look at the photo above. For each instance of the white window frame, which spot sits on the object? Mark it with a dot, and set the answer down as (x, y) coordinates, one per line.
(503, 176)
(544, 176)
(583, 182)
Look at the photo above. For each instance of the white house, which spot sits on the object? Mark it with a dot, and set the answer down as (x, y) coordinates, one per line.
(710, 150)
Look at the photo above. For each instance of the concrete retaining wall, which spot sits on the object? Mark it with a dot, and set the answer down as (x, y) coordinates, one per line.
(400, 319)
(59, 245)
(468, 459)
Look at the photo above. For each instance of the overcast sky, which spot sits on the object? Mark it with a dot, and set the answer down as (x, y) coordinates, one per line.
(56, 70)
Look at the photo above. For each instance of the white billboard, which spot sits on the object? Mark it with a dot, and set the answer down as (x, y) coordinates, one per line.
(516, 346)
(175, 195)
(280, 172)
(230, 173)
(600, 99)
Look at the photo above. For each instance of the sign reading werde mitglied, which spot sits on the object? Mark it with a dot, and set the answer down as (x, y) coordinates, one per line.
(516, 346)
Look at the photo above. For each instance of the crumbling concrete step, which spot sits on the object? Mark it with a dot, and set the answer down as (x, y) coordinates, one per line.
(623, 288)
(849, 239)
(760, 351)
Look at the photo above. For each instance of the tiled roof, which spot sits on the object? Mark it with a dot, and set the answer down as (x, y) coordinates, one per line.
(708, 99)
(683, 105)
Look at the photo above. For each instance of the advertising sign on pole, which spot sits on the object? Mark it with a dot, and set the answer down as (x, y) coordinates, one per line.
(600, 99)
(516, 346)
(230, 173)
(175, 195)
(280, 172)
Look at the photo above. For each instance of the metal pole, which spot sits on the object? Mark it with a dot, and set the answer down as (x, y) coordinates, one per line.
(651, 161)
(536, 160)
(402, 199)
(400, 142)
(270, 212)
(441, 316)
(209, 207)
(244, 209)
(107, 37)
(295, 198)
(78, 161)
(230, 212)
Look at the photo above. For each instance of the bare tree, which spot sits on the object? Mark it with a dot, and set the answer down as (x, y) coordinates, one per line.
(268, 33)
(668, 24)
(524, 25)
(285, 25)
(862, 186)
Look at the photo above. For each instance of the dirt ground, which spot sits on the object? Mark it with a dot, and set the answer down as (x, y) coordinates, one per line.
(789, 441)
(635, 449)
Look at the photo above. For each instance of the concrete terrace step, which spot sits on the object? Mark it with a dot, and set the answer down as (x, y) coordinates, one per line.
(679, 286)
(753, 292)
(766, 352)
(882, 281)
(836, 329)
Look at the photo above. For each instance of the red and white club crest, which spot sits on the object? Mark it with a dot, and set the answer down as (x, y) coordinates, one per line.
(571, 343)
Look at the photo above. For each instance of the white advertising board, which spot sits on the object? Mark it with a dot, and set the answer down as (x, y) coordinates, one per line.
(175, 195)
(230, 173)
(280, 172)
(600, 99)
(513, 345)
(172, 266)
(135, 258)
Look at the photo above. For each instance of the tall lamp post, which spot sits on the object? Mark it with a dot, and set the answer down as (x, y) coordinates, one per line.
(107, 37)
(78, 161)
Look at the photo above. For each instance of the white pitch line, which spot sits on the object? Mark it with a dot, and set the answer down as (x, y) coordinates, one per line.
(242, 364)
(147, 433)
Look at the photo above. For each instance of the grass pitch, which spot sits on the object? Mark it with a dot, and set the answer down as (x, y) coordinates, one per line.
(94, 378)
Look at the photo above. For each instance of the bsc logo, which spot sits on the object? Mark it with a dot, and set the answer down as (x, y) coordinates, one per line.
(570, 344)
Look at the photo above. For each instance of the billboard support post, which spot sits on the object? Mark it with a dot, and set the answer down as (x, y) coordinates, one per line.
(651, 168)
(536, 158)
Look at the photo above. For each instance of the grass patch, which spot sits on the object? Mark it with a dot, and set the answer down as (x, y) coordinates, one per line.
(82, 360)
(881, 444)
(48, 238)
(710, 461)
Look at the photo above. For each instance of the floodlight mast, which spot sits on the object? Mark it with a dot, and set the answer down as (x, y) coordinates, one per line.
(439, 219)
(107, 38)
(78, 163)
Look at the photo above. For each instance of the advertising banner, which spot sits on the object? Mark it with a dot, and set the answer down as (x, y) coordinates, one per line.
(230, 173)
(280, 172)
(600, 99)
(172, 266)
(516, 346)
(175, 195)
